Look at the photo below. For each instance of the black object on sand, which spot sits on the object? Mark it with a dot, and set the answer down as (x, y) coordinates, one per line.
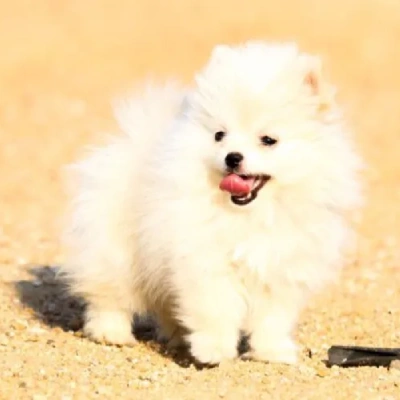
(355, 356)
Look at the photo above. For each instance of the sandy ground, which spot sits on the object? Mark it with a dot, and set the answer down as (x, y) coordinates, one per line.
(61, 62)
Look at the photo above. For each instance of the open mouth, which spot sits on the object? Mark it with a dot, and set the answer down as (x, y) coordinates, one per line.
(243, 188)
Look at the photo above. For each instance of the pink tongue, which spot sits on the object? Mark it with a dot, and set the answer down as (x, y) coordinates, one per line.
(236, 185)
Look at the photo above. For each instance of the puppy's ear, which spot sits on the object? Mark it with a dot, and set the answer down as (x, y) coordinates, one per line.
(312, 74)
(314, 81)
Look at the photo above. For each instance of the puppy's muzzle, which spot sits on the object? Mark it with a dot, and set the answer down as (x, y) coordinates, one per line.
(233, 160)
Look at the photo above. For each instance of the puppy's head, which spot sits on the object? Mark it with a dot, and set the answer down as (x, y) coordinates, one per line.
(270, 122)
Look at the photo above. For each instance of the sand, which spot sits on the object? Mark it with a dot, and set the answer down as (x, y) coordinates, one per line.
(61, 63)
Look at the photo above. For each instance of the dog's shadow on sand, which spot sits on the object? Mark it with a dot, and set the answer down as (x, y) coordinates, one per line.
(47, 295)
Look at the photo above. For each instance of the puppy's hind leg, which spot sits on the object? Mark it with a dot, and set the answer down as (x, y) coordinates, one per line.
(108, 326)
(111, 303)
(100, 242)
(109, 322)
(104, 276)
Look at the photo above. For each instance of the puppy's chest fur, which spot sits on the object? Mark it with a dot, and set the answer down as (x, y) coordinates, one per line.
(254, 247)
(257, 259)
(281, 251)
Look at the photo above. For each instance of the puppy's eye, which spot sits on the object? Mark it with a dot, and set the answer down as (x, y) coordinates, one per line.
(268, 141)
(219, 136)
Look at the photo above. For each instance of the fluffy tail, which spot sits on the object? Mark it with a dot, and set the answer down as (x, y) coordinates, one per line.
(100, 226)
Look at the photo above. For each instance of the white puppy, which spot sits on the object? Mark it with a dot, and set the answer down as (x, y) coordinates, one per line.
(220, 209)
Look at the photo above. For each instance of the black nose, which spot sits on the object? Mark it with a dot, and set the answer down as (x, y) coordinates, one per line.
(232, 160)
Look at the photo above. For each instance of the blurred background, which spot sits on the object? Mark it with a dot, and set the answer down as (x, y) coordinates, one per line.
(61, 64)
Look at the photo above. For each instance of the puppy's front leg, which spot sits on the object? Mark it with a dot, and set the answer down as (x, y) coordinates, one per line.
(272, 322)
(212, 311)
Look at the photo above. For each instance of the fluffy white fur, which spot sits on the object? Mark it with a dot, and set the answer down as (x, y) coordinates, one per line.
(151, 231)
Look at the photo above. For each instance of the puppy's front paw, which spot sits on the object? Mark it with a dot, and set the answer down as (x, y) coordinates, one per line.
(283, 351)
(212, 349)
(109, 327)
